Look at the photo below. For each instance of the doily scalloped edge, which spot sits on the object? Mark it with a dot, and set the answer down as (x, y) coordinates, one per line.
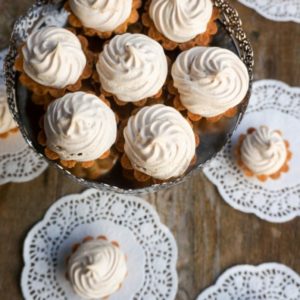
(241, 268)
(269, 16)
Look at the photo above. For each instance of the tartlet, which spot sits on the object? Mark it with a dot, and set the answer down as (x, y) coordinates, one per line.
(209, 82)
(103, 18)
(263, 153)
(78, 128)
(96, 268)
(54, 61)
(159, 144)
(179, 24)
(132, 68)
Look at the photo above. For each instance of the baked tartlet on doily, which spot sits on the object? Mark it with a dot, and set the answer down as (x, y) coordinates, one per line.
(103, 18)
(179, 23)
(53, 61)
(7, 123)
(159, 144)
(132, 68)
(128, 246)
(263, 153)
(96, 268)
(209, 82)
(78, 128)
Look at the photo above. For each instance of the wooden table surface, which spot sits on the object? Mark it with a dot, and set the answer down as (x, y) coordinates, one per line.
(211, 236)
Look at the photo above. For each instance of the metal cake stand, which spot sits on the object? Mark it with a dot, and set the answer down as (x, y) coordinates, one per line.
(213, 138)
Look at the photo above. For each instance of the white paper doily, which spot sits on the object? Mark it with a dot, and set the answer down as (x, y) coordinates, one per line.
(149, 245)
(270, 281)
(276, 105)
(18, 162)
(276, 10)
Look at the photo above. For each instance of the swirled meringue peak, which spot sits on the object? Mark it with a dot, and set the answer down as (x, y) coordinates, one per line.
(132, 67)
(6, 120)
(159, 142)
(79, 126)
(53, 57)
(181, 20)
(97, 269)
(210, 80)
(264, 151)
(102, 15)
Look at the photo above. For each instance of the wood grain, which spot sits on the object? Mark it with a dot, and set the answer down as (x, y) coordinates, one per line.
(211, 236)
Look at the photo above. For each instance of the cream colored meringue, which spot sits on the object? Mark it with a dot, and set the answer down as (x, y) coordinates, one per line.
(6, 120)
(181, 20)
(264, 151)
(102, 15)
(79, 126)
(159, 142)
(97, 269)
(53, 57)
(210, 80)
(132, 67)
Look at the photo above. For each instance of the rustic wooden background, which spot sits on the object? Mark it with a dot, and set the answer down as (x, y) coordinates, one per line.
(211, 236)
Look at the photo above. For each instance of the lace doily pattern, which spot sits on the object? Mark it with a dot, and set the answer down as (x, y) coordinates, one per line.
(267, 281)
(276, 105)
(150, 247)
(276, 10)
(18, 163)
